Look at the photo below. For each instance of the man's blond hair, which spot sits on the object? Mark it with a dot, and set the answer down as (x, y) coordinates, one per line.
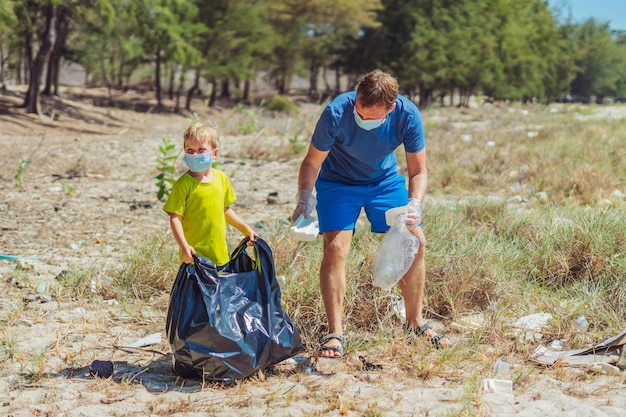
(377, 88)
(203, 133)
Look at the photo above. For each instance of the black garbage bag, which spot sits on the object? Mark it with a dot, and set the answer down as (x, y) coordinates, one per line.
(226, 323)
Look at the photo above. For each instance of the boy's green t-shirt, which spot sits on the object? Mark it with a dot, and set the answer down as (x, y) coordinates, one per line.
(201, 206)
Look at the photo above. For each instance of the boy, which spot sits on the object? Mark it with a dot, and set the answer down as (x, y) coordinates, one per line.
(199, 204)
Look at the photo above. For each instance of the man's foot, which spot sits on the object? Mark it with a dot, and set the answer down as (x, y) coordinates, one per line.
(439, 340)
(332, 346)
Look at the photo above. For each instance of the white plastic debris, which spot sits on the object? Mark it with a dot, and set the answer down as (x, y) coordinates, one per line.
(304, 229)
(498, 386)
(153, 339)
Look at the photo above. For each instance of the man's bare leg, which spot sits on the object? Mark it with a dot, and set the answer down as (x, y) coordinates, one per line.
(412, 286)
(333, 282)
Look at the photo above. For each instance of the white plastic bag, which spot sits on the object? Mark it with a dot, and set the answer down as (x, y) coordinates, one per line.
(395, 255)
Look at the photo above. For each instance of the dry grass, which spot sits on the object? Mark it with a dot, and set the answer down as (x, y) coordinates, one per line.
(520, 218)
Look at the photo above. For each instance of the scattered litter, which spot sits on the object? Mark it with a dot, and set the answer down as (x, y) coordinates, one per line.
(111, 400)
(605, 352)
(304, 229)
(43, 298)
(41, 288)
(367, 366)
(289, 361)
(13, 281)
(501, 369)
(310, 370)
(498, 386)
(472, 322)
(604, 368)
(621, 363)
(466, 138)
(491, 144)
(79, 311)
(153, 339)
(399, 308)
(531, 134)
(27, 265)
(26, 321)
(73, 246)
(110, 302)
(102, 369)
(556, 345)
(16, 258)
(535, 321)
(581, 324)
(528, 328)
(617, 194)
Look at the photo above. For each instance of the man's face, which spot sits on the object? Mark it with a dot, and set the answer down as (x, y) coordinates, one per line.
(374, 112)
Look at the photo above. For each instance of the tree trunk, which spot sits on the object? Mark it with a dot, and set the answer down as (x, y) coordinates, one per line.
(157, 79)
(314, 72)
(225, 88)
(62, 29)
(192, 90)
(50, 76)
(179, 90)
(2, 65)
(31, 102)
(246, 90)
(213, 95)
(170, 91)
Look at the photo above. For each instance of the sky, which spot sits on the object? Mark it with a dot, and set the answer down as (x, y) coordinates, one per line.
(612, 11)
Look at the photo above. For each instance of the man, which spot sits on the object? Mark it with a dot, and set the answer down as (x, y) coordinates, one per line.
(352, 164)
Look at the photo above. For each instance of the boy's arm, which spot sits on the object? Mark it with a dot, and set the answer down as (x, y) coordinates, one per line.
(177, 229)
(233, 219)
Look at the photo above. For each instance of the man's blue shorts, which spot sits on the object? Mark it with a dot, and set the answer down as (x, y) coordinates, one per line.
(339, 205)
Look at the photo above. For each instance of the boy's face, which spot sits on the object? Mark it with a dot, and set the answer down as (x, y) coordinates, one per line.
(194, 146)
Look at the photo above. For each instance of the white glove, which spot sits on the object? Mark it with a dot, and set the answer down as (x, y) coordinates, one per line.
(413, 214)
(306, 204)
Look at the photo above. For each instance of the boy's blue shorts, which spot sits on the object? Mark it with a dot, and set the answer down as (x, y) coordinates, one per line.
(339, 205)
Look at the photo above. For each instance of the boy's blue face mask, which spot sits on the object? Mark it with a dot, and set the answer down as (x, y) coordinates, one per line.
(368, 124)
(198, 162)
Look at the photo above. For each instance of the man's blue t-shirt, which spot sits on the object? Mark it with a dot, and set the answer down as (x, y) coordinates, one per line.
(358, 156)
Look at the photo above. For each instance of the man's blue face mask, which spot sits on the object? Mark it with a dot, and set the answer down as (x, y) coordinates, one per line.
(198, 162)
(367, 124)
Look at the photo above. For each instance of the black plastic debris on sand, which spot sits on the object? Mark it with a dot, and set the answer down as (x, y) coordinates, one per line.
(102, 369)
(367, 366)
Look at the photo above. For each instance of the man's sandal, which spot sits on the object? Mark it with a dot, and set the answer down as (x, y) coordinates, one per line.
(436, 340)
(335, 349)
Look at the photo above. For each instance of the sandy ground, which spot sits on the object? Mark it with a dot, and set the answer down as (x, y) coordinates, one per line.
(88, 198)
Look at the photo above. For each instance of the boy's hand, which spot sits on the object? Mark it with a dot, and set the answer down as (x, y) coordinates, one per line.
(187, 254)
(252, 236)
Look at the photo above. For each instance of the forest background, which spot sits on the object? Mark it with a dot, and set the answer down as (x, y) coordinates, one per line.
(440, 50)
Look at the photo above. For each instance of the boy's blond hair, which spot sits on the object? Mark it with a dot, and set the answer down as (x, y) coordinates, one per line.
(203, 133)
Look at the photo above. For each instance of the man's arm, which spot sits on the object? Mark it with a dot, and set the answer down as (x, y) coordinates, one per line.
(306, 180)
(418, 175)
